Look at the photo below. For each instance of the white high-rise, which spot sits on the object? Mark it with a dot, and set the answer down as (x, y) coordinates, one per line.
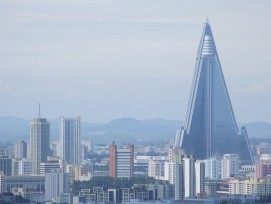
(25, 167)
(189, 176)
(170, 172)
(229, 165)
(156, 168)
(39, 142)
(179, 181)
(56, 183)
(70, 144)
(213, 167)
(20, 150)
(200, 177)
(55, 147)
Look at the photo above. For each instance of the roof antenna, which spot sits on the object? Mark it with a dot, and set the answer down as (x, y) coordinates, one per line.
(39, 110)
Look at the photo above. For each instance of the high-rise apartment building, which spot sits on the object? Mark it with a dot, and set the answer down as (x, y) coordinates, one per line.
(5, 151)
(21, 166)
(55, 147)
(200, 177)
(121, 161)
(39, 142)
(20, 150)
(189, 176)
(210, 127)
(229, 165)
(156, 168)
(213, 167)
(262, 169)
(170, 172)
(6, 165)
(25, 167)
(56, 183)
(179, 180)
(70, 143)
(15, 167)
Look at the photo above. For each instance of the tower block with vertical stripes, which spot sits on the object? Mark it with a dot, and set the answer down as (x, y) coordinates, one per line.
(210, 127)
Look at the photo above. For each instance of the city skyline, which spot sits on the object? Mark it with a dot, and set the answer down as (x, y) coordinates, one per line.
(113, 78)
(102, 60)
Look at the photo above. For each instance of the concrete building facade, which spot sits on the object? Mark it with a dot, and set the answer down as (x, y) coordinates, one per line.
(70, 140)
(121, 161)
(213, 167)
(20, 150)
(229, 165)
(39, 142)
(56, 183)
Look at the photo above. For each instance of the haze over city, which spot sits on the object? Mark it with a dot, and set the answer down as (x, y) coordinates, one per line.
(139, 101)
(103, 60)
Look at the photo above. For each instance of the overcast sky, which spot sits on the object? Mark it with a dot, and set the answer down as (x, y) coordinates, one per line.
(107, 59)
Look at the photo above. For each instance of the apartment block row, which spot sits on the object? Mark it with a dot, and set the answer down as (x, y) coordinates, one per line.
(252, 186)
(146, 192)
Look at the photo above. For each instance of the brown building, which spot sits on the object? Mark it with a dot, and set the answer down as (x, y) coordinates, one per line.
(263, 169)
(121, 161)
(113, 160)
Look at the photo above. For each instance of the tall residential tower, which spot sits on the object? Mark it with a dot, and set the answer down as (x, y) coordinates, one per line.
(20, 149)
(70, 143)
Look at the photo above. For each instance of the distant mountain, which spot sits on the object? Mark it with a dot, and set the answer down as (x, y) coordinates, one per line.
(259, 129)
(119, 130)
(131, 130)
(12, 129)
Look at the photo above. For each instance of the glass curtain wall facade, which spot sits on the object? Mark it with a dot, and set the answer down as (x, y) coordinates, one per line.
(210, 127)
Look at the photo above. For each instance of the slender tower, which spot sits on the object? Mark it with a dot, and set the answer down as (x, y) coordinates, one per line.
(70, 143)
(210, 127)
(39, 142)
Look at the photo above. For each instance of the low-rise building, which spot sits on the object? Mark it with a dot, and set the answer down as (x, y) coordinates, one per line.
(31, 185)
(252, 186)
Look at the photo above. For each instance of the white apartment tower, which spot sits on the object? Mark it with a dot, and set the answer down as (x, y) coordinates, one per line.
(70, 144)
(189, 176)
(56, 183)
(229, 165)
(170, 172)
(39, 142)
(20, 150)
(25, 167)
(200, 177)
(55, 147)
(179, 181)
(213, 167)
(156, 168)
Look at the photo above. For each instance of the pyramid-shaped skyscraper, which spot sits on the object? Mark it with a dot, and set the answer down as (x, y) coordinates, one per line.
(210, 127)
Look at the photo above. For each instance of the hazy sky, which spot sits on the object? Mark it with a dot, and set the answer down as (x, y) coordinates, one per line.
(106, 59)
